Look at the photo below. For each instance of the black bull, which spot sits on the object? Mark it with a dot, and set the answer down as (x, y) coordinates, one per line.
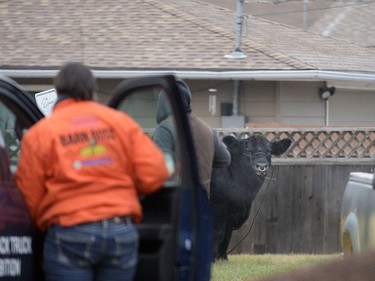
(234, 188)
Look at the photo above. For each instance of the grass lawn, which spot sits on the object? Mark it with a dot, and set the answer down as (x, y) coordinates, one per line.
(256, 267)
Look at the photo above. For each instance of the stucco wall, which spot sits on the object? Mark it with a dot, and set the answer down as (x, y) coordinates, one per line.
(263, 102)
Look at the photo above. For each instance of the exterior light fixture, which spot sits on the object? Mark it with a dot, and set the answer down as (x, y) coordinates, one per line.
(326, 92)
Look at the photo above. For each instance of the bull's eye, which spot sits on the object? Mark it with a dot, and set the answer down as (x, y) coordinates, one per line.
(248, 155)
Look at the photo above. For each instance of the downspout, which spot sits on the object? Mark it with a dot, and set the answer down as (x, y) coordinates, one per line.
(327, 112)
(237, 53)
(235, 97)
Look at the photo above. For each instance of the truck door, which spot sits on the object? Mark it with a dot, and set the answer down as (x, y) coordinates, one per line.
(175, 235)
(19, 260)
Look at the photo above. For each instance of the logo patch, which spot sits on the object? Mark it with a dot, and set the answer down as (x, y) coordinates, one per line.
(93, 151)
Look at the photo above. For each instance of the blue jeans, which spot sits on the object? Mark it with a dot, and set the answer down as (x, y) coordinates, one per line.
(106, 250)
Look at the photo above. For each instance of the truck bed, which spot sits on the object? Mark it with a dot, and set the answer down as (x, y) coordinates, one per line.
(358, 214)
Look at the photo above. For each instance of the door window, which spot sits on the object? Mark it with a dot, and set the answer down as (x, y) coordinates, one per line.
(8, 127)
(152, 112)
(17, 114)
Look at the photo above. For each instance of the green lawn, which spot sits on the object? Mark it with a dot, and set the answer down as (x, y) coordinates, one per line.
(256, 267)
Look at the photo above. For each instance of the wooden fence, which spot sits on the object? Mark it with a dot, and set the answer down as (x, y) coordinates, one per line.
(301, 212)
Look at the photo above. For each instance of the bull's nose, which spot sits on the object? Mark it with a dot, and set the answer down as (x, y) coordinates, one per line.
(262, 167)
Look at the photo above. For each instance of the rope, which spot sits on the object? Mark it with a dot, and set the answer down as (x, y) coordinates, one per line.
(256, 214)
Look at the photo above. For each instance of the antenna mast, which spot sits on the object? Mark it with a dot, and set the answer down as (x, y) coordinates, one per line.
(237, 53)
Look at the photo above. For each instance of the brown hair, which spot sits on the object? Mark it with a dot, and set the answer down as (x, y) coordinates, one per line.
(75, 80)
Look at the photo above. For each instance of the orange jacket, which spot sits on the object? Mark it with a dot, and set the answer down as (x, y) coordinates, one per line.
(87, 162)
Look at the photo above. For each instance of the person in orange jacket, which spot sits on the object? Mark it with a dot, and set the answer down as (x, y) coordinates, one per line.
(81, 172)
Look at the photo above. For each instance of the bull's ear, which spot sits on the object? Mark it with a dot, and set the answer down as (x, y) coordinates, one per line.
(229, 139)
(279, 147)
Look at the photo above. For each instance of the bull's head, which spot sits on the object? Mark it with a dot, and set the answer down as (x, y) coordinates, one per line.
(255, 151)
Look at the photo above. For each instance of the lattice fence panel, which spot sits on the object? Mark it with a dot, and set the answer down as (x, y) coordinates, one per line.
(321, 143)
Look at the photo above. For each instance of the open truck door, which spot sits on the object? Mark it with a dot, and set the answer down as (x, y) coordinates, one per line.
(175, 235)
(20, 251)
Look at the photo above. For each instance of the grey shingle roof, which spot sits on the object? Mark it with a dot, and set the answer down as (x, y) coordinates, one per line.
(353, 22)
(162, 35)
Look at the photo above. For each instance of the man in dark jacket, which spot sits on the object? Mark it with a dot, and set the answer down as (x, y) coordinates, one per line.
(210, 150)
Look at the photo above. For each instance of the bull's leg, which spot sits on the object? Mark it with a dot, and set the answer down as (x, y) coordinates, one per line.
(223, 247)
(219, 212)
(219, 235)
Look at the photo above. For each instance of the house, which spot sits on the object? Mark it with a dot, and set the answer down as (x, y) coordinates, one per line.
(280, 80)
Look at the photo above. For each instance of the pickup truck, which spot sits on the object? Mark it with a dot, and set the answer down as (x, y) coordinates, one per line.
(358, 214)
